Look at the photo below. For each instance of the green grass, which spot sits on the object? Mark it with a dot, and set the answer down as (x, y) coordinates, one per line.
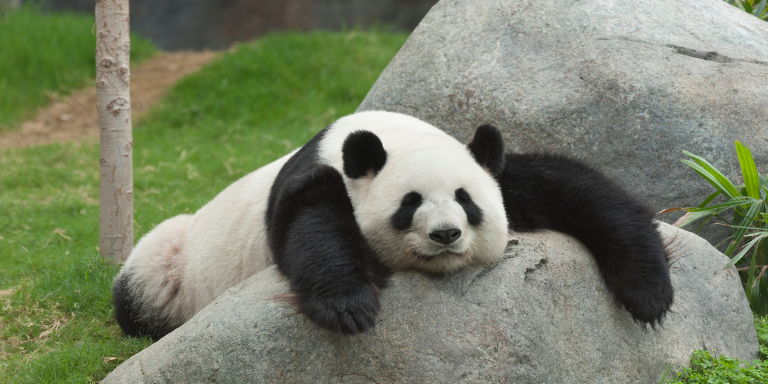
(47, 54)
(761, 324)
(255, 104)
(708, 369)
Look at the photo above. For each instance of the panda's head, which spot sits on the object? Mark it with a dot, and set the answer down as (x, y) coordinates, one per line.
(429, 204)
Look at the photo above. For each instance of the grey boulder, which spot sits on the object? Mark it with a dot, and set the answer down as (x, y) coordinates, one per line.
(540, 315)
(623, 85)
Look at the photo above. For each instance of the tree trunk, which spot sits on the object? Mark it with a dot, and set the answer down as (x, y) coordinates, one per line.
(114, 107)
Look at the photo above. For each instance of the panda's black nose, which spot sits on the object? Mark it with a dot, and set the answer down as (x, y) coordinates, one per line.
(445, 236)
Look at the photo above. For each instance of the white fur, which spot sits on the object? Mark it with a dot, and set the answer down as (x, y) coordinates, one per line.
(426, 160)
(225, 241)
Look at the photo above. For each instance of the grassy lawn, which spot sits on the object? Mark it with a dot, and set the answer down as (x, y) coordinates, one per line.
(257, 103)
(43, 55)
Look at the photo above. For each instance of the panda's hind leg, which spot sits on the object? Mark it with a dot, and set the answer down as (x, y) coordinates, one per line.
(148, 292)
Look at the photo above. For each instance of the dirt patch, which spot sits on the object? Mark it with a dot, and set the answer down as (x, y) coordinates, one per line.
(75, 118)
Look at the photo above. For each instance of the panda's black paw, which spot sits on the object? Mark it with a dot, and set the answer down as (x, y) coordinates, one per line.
(351, 312)
(648, 305)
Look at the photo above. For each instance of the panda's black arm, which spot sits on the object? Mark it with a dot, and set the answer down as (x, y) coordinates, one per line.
(554, 192)
(334, 274)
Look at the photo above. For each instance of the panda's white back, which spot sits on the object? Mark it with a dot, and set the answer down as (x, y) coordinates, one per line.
(227, 242)
(188, 260)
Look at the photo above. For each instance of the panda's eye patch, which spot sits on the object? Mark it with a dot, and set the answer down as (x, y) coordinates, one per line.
(474, 213)
(403, 218)
(411, 199)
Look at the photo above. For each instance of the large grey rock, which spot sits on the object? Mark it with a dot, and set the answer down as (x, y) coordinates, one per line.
(540, 315)
(624, 85)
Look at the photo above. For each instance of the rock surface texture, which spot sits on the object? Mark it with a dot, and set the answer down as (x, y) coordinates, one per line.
(540, 315)
(625, 86)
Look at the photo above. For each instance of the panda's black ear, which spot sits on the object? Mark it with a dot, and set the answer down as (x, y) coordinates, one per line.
(487, 147)
(362, 152)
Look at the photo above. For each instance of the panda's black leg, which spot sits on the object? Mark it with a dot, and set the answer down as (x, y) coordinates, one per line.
(554, 192)
(333, 272)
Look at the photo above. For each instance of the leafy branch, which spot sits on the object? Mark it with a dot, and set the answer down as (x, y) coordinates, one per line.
(749, 226)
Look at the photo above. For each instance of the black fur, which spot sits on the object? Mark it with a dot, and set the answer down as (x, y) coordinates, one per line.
(487, 147)
(362, 152)
(403, 217)
(300, 163)
(474, 213)
(126, 309)
(319, 247)
(549, 191)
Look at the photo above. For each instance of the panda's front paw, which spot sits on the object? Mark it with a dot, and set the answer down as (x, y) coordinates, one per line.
(350, 312)
(648, 304)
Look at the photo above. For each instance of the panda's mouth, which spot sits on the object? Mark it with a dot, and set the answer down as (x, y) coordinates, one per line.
(437, 255)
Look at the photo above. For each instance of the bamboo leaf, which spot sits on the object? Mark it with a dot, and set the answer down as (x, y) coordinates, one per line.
(748, 170)
(689, 218)
(744, 251)
(748, 7)
(723, 241)
(711, 179)
(702, 224)
(739, 233)
(738, 200)
(709, 199)
(727, 185)
(760, 9)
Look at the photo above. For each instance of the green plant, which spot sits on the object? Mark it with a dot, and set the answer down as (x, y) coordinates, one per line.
(707, 369)
(761, 325)
(758, 10)
(749, 226)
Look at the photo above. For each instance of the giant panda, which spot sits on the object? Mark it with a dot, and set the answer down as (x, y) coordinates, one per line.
(379, 192)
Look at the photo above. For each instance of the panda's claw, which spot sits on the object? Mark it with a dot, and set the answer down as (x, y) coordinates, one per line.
(648, 307)
(348, 314)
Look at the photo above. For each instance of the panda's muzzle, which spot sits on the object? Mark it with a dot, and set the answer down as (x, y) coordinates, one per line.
(445, 236)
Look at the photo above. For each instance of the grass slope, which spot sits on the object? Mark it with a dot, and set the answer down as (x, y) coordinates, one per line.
(43, 54)
(257, 103)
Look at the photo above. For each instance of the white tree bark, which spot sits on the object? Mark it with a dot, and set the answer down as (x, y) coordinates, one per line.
(114, 107)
